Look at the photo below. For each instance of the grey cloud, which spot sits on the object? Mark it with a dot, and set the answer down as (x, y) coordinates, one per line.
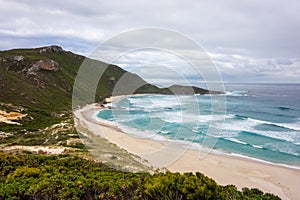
(249, 69)
(269, 27)
(159, 67)
(265, 34)
(284, 61)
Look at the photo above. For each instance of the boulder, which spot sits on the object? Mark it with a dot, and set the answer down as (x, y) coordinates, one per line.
(49, 65)
(111, 78)
(18, 58)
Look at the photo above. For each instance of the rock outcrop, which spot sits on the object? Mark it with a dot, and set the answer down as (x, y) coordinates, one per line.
(50, 49)
(18, 58)
(47, 64)
(12, 59)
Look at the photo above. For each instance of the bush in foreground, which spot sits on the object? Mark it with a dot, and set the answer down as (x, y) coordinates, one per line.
(69, 177)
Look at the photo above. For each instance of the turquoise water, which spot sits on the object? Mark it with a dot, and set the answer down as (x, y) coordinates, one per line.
(261, 121)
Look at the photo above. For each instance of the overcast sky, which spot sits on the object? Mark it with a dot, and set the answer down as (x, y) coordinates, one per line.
(249, 40)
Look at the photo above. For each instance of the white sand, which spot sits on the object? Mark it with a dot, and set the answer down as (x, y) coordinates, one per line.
(225, 169)
(38, 149)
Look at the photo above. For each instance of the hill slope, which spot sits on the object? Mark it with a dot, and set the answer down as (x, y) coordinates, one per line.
(40, 81)
(38, 75)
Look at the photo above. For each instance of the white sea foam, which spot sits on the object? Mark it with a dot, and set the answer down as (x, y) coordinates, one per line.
(249, 125)
(283, 148)
(195, 130)
(158, 102)
(264, 161)
(164, 132)
(235, 140)
(183, 117)
(286, 136)
(171, 117)
(141, 133)
(292, 126)
(130, 117)
(257, 146)
(236, 93)
(239, 125)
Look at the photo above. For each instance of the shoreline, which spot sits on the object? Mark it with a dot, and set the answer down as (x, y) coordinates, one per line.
(188, 145)
(223, 168)
(111, 99)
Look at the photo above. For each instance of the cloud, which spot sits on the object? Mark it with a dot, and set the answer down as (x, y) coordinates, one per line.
(249, 69)
(160, 67)
(265, 34)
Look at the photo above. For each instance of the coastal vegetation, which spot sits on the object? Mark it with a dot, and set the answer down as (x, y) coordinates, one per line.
(32, 176)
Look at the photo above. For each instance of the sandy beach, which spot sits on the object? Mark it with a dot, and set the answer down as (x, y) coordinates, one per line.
(224, 169)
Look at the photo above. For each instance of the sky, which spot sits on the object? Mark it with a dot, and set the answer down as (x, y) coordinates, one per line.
(248, 41)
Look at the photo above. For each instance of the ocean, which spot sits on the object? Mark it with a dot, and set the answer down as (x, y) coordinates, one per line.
(262, 121)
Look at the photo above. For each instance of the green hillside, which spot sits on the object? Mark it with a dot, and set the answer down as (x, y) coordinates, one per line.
(49, 89)
(45, 94)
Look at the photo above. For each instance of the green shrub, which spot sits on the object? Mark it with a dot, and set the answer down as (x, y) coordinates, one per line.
(31, 176)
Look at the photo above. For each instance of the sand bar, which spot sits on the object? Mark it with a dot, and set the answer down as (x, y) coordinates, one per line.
(224, 169)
